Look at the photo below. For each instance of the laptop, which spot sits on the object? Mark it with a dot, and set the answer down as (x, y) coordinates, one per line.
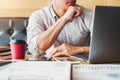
(105, 39)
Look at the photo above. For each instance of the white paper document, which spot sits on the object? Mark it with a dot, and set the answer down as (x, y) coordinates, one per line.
(37, 70)
(96, 72)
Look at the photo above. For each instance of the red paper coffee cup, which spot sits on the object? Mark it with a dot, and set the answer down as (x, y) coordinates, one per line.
(18, 49)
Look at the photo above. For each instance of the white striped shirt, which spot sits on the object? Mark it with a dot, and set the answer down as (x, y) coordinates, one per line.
(75, 33)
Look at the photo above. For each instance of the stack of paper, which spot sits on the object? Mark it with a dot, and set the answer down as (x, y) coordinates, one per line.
(96, 72)
(37, 70)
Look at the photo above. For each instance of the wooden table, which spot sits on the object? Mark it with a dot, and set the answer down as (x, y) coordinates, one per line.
(6, 55)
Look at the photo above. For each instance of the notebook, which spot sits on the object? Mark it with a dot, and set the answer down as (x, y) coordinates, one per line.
(5, 55)
(96, 72)
(105, 39)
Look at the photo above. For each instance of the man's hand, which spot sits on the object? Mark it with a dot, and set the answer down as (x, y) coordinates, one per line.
(66, 50)
(73, 12)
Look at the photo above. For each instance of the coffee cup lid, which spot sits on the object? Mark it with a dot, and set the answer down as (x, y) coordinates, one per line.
(17, 42)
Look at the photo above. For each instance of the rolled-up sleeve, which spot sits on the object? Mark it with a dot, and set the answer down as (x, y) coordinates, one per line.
(34, 27)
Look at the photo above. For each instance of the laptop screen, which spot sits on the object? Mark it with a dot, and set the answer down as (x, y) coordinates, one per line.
(105, 41)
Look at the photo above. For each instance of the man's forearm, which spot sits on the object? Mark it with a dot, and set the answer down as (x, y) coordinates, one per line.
(46, 39)
(79, 50)
(84, 49)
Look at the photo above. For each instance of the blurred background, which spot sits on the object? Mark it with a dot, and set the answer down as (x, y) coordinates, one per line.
(24, 8)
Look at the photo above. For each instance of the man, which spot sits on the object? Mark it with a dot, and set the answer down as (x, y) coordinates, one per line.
(62, 28)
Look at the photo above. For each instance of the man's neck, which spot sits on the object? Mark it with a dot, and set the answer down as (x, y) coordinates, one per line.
(59, 12)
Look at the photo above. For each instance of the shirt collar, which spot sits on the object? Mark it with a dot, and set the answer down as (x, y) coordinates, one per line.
(53, 13)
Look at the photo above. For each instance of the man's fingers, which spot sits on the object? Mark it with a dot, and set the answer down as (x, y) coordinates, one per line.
(78, 11)
(76, 14)
(54, 51)
(57, 54)
(60, 54)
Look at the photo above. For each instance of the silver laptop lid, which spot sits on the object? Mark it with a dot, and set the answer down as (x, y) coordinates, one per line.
(105, 41)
